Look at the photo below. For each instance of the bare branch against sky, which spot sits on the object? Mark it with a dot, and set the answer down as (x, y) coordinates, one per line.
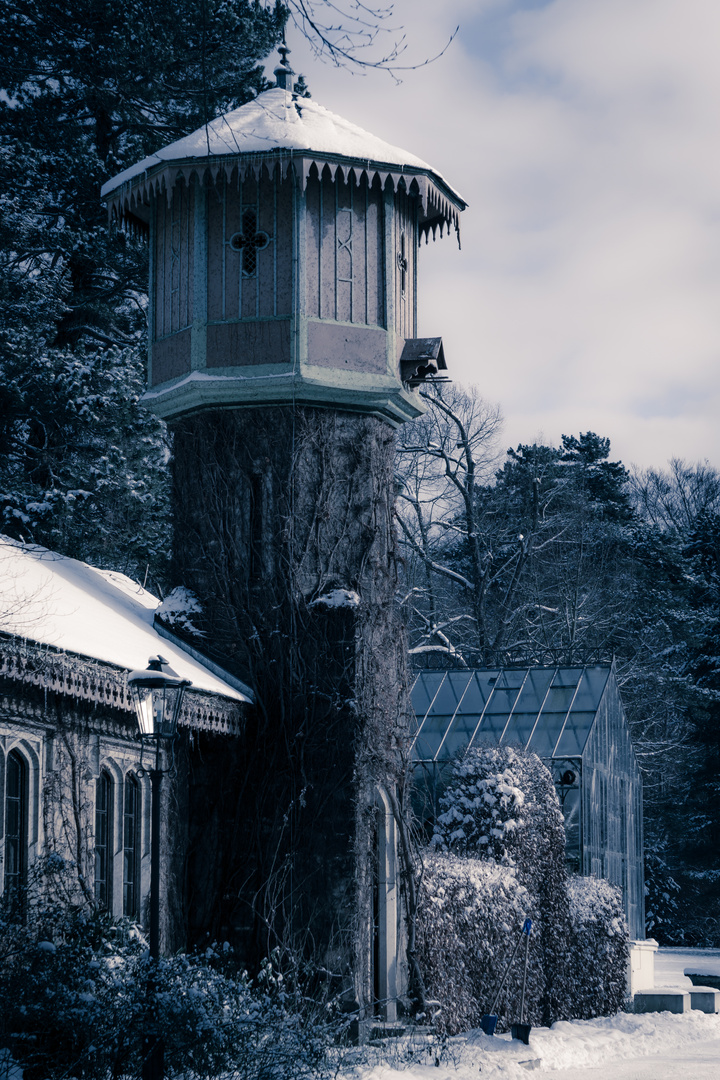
(585, 137)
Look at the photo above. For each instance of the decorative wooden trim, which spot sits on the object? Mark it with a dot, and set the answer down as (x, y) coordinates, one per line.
(81, 678)
(440, 205)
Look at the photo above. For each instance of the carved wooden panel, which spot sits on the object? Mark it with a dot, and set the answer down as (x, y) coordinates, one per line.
(174, 262)
(344, 250)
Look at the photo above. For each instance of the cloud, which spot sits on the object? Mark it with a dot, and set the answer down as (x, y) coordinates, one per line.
(585, 136)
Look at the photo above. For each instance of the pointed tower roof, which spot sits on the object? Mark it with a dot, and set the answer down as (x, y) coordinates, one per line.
(279, 129)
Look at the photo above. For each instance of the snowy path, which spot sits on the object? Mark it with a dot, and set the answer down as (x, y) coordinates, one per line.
(698, 1062)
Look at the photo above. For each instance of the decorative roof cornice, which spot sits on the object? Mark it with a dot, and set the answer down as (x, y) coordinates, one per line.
(440, 206)
(84, 679)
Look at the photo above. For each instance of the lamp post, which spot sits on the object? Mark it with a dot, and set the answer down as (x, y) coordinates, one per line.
(157, 694)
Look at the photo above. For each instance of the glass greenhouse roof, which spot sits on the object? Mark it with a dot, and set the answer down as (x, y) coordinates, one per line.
(548, 710)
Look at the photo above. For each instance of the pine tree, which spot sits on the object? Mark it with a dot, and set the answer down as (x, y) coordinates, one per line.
(90, 88)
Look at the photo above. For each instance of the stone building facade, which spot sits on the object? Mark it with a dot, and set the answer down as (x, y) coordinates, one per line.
(73, 781)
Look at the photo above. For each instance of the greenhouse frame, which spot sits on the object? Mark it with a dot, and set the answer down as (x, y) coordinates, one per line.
(573, 719)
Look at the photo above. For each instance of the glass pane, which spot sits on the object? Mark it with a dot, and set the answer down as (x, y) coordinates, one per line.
(502, 700)
(430, 737)
(559, 699)
(477, 692)
(450, 692)
(15, 824)
(534, 690)
(424, 690)
(14, 777)
(102, 840)
(519, 729)
(458, 736)
(490, 730)
(131, 825)
(591, 689)
(567, 676)
(546, 733)
(514, 677)
(573, 739)
(571, 814)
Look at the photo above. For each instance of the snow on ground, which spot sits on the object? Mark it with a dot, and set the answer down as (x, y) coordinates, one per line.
(622, 1047)
(649, 1046)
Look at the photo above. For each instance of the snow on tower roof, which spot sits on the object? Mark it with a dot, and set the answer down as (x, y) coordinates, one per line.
(73, 607)
(275, 127)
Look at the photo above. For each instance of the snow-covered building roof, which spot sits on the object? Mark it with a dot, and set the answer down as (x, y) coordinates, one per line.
(67, 613)
(294, 132)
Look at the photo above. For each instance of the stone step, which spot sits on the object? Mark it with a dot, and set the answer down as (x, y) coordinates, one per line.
(705, 998)
(665, 999)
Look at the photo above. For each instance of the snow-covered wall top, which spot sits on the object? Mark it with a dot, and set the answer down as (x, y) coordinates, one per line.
(60, 602)
(299, 131)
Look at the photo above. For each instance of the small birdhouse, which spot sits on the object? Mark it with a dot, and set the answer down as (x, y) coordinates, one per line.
(283, 261)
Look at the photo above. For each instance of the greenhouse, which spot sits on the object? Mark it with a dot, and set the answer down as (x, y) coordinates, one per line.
(573, 719)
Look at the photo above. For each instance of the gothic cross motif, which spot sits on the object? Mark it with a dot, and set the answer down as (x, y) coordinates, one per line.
(249, 242)
(346, 245)
(175, 241)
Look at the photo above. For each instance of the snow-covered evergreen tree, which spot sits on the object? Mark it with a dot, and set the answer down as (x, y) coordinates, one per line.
(89, 88)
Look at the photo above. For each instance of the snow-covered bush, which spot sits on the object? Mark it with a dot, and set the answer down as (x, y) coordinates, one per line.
(76, 991)
(470, 914)
(599, 948)
(500, 804)
(482, 806)
(181, 610)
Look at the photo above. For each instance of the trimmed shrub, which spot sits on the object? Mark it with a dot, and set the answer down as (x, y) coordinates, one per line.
(599, 948)
(470, 914)
(501, 804)
(482, 807)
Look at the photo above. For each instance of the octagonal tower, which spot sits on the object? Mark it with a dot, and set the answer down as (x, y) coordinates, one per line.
(283, 352)
(283, 260)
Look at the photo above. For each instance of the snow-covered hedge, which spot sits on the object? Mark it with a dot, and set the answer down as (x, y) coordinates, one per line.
(500, 803)
(470, 914)
(599, 948)
(482, 806)
(501, 822)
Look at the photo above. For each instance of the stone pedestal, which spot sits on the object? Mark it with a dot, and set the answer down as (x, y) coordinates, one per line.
(641, 966)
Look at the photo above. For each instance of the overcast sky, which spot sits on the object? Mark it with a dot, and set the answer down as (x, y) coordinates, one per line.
(585, 136)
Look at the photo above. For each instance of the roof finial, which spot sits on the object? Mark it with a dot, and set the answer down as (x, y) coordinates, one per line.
(283, 72)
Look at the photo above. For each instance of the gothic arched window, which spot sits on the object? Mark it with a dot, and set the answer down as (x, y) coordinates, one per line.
(103, 840)
(131, 848)
(16, 823)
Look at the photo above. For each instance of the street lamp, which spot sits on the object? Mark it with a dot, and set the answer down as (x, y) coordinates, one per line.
(157, 694)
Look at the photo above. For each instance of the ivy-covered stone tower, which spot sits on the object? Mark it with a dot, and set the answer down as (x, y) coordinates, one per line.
(283, 353)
